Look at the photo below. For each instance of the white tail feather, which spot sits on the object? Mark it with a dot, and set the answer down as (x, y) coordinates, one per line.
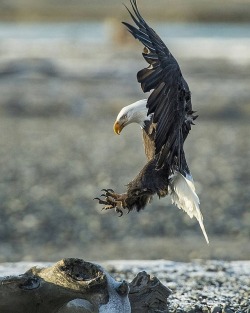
(184, 197)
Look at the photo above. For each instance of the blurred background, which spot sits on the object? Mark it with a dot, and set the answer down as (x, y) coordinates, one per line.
(66, 70)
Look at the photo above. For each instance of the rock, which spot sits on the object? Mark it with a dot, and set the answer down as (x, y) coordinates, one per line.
(216, 309)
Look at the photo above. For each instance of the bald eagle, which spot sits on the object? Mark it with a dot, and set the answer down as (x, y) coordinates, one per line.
(165, 119)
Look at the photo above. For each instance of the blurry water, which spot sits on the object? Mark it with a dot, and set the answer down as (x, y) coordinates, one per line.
(193, 40)
(204, 30)
(89, 31)
(96, 31)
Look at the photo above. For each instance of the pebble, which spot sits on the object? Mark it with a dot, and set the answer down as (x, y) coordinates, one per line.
(216, 309)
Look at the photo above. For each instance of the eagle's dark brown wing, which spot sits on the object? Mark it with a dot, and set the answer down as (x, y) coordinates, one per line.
(170, 101)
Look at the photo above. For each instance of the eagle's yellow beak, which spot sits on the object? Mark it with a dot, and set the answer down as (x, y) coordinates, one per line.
(117, 128)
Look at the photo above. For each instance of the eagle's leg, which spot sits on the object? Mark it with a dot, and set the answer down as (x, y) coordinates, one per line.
(113, 200)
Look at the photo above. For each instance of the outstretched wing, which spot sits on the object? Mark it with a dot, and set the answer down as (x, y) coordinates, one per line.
(170, 100)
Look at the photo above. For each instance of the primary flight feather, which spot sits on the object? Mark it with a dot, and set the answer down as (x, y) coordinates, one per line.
(165, 118)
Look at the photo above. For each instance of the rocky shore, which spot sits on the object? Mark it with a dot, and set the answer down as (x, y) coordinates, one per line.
(197, 286)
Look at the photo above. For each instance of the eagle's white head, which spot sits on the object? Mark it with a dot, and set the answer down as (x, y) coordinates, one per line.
(132, 113)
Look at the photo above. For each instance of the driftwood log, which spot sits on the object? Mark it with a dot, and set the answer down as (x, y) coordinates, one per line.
(74, 286)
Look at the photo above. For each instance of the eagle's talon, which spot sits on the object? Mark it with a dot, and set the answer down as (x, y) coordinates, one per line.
(119, 211)
(110, 194)
(108, 207)
(112, 200)
(108, 203)
(108, 190)
(100, 201)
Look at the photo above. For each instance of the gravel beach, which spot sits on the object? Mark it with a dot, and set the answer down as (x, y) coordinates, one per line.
(197, 287)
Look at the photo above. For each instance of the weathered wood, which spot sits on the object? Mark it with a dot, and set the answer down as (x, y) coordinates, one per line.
(48, 289)
(147, 294)
(73, 285)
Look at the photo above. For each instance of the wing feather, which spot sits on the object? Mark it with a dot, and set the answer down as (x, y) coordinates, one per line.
(170, 91)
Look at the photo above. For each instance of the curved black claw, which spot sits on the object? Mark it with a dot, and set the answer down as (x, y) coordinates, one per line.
(101, 201)
(119, 211)
(108, 190)
(112, 200)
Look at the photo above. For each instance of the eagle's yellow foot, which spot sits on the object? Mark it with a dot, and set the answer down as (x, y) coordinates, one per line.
(113, 200)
